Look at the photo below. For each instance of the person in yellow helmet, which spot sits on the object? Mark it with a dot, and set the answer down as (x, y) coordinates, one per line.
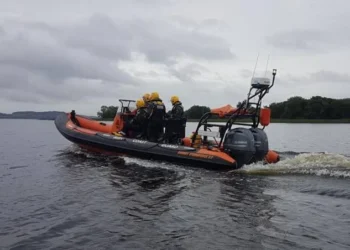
(136, 127)
(157, 112)
(176, 121)
(146, 99)
(177, 112)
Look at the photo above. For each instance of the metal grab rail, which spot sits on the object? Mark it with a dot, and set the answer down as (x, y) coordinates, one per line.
(261, 91)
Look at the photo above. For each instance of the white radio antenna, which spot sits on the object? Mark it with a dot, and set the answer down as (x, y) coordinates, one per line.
(256, 63)
(267, 64)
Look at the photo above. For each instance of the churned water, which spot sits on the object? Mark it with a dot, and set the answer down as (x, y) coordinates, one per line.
(54, 195)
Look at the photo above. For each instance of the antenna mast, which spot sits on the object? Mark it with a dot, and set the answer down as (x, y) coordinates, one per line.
(256, 63)
(267, 63)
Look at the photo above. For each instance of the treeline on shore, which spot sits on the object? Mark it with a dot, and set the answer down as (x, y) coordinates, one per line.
(45, 115)
(296, 109)
(315, 109)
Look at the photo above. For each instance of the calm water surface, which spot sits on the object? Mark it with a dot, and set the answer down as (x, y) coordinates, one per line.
(55, 196)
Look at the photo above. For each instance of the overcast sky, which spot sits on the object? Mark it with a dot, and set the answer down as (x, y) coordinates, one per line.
(63, 55)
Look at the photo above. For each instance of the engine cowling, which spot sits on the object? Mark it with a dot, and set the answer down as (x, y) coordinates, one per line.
(239, 143)
(261, 143)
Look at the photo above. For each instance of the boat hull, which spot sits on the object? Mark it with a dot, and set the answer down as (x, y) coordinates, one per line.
(112, 144)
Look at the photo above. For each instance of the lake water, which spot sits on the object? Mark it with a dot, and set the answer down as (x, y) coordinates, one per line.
(54, 195)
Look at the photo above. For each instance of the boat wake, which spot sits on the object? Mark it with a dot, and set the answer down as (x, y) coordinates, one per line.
(149, 163)
(320, 164)
(80, 154)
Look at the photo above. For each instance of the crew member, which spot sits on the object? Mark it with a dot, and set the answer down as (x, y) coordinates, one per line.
(137, 124)
(146, 98)
(176, 122)
(177, 112)
(157, 112)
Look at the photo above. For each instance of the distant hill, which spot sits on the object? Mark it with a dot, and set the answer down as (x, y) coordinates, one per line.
(45, 115)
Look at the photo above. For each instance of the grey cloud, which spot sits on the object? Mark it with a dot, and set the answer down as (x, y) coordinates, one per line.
(213, 94)
(183, 21)
(307, 40)
(161, 41)
(193, 45)
(208, 25)
(293, 80)
(101, 36)
(212, 25)
(246, 73)
(43, 63)
(151, 3)
(322, 76)
(40, 89)
(21, 96)
(56, 61)
(12, 77)
(36, 67)
(53, 62)
(150, 73)
(212, 22)
(311, 40)
(329, 76)
(187, 72)
(37, 26)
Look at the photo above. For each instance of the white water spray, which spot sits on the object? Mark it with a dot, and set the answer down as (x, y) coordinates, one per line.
(321, 164)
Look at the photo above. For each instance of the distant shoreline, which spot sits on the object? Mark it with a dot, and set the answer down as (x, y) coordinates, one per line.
(315, 121)
(51, 115)
(32, 115)
(288, 121)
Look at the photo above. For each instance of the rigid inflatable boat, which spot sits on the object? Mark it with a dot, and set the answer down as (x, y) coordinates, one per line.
(230, 147)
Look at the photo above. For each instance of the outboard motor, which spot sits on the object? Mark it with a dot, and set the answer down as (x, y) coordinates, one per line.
(261, 143)
(239, 144)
